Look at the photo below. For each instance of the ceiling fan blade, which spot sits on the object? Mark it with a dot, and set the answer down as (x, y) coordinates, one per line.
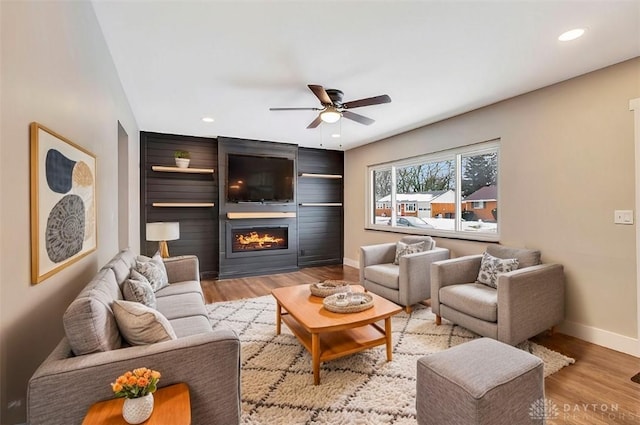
(321, 94)
(376, 100)
(357, 118)
(294, 109)
(315, 122)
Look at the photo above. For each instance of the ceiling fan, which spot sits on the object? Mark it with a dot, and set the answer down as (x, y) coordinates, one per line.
(333, 108)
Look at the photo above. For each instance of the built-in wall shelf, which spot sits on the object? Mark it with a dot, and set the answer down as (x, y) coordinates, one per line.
(165, 169)
(183, 204)
(321, 204)
(321, 176)
(260, 214)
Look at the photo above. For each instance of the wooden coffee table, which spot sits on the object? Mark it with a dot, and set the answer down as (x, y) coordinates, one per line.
(328, 335)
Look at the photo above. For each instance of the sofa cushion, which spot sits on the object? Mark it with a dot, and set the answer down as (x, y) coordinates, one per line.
(185, 287)
(153, 269)
(525, 257)
(387, 275)
(474, 299)
(137, 288)
(141, 325)
(192, 325)
(88, 322)
(491, 267)
(181, 305)
(121, 264)
(403, 249)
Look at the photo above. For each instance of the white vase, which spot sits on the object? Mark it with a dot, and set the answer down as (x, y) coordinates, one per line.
(137, 410)
(182, 162)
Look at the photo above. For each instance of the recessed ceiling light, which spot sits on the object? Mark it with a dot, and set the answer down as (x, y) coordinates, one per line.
(571, 34)
(207, 119)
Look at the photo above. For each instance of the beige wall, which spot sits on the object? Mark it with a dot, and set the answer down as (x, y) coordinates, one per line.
(565, 145)
(56, 70)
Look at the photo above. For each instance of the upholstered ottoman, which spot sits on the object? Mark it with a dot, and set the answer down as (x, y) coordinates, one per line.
(480, 382)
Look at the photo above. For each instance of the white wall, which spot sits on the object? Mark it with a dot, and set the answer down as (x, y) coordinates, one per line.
(55, 70)
(566, 163)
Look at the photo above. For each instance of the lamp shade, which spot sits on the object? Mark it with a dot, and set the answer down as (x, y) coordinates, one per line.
(163, 231)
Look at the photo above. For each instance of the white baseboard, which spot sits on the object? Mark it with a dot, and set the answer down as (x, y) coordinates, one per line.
(350, 262)
(601, 337)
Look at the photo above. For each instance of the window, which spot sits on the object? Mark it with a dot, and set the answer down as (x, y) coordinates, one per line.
(421, 195)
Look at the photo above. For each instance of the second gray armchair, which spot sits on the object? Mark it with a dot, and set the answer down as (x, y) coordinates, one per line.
(525, 302)
(405, 283)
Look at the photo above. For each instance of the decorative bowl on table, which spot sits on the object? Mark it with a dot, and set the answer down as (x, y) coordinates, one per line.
(329, 287)
(351, 302)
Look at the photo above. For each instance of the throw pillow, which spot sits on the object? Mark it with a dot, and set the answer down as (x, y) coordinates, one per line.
(137, 288)
(403, 249)
(154, 270)
(491, 267)
(141, 325)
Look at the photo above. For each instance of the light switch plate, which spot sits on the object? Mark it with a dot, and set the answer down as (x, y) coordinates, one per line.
(623, 217)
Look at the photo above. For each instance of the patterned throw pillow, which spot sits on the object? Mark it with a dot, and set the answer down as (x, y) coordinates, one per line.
(491, 267)
(403, 249)
(137, 288)
(141, 325)
(154, 270)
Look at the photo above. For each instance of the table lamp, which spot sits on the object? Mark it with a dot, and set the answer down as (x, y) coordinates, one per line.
(163, 232)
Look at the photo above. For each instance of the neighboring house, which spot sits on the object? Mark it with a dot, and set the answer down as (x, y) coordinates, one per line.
(409, 204)
(444, 206)
(482, 202)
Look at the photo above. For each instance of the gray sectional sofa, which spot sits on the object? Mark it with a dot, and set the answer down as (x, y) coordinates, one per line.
(69, 381)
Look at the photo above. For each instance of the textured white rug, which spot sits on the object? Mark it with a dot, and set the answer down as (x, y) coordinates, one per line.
(277, 379)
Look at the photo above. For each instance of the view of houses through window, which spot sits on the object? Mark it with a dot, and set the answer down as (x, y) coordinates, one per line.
(422, 192)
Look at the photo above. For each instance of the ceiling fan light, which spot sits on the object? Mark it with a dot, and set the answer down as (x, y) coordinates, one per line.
(330, 115)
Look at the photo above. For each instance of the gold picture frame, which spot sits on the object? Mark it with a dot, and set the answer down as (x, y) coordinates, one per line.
(63, 202)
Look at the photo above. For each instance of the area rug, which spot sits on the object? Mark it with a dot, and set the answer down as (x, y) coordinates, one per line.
(277, 377)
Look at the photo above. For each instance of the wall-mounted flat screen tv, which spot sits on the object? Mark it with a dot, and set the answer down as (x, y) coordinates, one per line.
(253, 178)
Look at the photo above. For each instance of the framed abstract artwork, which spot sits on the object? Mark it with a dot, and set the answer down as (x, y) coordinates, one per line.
(63, 202)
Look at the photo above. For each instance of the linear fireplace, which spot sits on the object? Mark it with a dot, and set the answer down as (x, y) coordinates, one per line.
(248, 241)
(261, 238)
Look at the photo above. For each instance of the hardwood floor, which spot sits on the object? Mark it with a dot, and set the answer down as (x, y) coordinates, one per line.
(596, 390)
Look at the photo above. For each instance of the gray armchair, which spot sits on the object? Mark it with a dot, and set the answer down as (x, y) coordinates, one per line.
(527, 301)
(406, 283)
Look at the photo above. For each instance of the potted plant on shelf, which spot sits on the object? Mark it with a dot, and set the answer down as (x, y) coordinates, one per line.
(182, 159)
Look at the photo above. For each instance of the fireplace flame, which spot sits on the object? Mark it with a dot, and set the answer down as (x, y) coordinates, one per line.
(253, 238)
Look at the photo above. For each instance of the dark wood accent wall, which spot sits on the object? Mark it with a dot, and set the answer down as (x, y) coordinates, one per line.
(315, 231)
(320, 228)
(198, 225)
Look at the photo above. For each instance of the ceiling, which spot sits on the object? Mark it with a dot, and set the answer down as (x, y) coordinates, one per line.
(180, 61)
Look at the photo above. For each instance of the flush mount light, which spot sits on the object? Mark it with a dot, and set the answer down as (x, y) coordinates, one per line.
(207, 119)
(336, 135)
(571, 34)
(330, 115)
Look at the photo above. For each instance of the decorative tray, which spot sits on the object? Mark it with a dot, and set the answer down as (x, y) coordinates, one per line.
(329, 287)
(351, 302)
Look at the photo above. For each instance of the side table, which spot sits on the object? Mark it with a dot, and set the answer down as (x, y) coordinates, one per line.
(171, 406)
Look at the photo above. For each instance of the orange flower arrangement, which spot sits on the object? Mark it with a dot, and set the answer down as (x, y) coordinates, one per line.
(136, 383)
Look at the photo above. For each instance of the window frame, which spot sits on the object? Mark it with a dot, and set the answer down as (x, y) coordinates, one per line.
(455, 154)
